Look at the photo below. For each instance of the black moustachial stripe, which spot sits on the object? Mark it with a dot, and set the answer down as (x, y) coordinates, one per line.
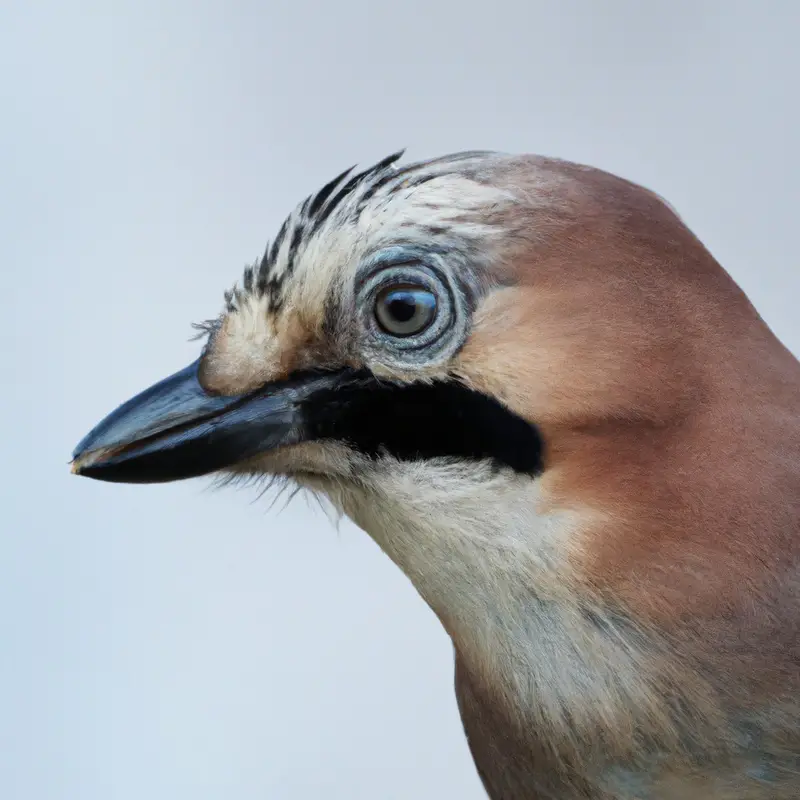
(176, 430)
(423, 421)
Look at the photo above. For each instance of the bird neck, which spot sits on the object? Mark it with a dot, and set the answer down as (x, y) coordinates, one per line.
(494, 565)
(552, 679)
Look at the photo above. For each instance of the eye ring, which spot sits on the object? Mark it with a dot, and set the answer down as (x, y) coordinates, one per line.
(435, 334)
(405, 309)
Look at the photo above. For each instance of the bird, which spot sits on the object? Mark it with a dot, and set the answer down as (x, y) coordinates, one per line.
(553, 409)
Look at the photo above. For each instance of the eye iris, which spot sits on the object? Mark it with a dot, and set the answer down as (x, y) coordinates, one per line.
(404, 311)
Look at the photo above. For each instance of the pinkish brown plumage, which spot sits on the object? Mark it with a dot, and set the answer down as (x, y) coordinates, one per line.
(559, 416)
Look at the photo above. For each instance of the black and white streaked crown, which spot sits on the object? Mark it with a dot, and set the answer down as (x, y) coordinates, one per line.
(338, 202)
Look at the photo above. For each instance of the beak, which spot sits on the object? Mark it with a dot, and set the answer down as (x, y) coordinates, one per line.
(176, 430)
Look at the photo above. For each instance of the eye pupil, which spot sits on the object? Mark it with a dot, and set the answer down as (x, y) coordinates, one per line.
(402, 306)
(405, 310)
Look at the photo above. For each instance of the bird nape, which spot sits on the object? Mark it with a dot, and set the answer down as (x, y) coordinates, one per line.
(552, 408)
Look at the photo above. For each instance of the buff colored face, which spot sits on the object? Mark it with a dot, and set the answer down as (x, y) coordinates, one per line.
(347, 337)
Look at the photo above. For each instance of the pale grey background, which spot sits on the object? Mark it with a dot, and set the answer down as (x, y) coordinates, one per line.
(171, 642)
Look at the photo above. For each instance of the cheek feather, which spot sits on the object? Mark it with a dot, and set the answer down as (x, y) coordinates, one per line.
(542, 352)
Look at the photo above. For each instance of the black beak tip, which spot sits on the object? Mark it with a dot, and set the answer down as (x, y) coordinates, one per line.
(78, 466)
(85, 455)
(85, 462)
(84, 470)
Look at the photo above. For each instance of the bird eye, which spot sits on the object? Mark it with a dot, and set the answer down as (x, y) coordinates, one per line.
(405, 310)
(409, 310)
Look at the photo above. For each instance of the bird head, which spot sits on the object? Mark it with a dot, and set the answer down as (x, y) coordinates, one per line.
(530, 383)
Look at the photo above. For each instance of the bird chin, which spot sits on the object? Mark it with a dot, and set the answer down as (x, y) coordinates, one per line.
(273, 477)
(318, 466)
